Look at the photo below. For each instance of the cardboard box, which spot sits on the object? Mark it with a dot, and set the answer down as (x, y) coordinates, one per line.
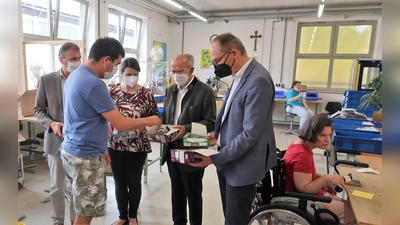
(197, 138)
(187, 155)
(303, 87)
(161, 134)
(27, 101)
(183, 156)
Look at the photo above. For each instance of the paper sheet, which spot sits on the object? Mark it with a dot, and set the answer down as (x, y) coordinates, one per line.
(363, 194)
(199, 129)
(205, 151)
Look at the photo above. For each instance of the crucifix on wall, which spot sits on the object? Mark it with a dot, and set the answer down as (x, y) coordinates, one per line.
(255, 36)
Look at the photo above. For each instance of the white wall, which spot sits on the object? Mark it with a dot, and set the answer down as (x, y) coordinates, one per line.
(275, 50)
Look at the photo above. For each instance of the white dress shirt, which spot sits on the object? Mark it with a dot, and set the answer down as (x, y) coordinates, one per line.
(179, 97)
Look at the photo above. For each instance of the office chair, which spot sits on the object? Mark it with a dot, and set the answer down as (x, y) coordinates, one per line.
(28, 145)
(332, 107)
(291, 116)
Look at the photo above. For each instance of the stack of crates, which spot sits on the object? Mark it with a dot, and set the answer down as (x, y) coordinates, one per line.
(352, 99)
(348, 136)
(160, 111)
(159, 98)
(279, 94)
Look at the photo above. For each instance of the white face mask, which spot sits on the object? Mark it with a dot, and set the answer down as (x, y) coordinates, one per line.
(130, 80)
(181, 79)
(73, 66)
(108, 75)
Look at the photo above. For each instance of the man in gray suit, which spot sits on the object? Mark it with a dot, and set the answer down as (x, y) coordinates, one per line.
(49, 112)
(187, 101)
(243, 130)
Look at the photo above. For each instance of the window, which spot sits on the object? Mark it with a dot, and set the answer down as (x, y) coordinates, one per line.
(41, 57)
(325, 53)
(54, 19)
(127, 29)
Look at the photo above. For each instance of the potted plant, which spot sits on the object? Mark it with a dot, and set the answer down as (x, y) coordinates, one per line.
(374, 98)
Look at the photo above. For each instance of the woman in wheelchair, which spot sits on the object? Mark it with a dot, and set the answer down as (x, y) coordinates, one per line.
(300, 172)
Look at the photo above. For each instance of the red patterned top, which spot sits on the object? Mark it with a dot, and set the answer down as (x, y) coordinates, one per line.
(299, 159)
(136, 105)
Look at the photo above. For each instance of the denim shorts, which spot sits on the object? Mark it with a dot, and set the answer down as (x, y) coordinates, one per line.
(87, 183)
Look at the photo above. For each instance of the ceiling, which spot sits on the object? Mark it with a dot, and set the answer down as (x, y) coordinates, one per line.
(214, 10)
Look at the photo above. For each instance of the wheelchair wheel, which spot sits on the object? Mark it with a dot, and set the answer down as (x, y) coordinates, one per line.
(280, 214)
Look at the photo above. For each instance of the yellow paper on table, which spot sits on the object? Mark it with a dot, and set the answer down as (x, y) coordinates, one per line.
(362, 194)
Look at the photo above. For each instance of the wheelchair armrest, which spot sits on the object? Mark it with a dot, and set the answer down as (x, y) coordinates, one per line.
(351, 163)
(307, 196)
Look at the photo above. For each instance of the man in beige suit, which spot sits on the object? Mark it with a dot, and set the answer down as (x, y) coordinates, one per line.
(49, 112)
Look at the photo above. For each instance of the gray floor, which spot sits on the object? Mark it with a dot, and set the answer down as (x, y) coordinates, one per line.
(155, 206)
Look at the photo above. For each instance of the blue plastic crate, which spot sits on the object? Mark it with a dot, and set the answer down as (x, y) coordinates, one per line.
(362, 142)
(279, 94)
(356, 94)
(313, 96)
(355, 128)
(160, 111)
(351, 100)
(159, 98)
(350, 121)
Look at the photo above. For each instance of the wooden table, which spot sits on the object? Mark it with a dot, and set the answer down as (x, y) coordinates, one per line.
(316, 102)
(367, 212)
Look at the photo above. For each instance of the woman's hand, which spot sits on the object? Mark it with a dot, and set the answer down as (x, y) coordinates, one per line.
(335, 179)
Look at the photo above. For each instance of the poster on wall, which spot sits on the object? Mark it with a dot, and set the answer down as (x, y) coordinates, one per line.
(158, 72)
(205, 59)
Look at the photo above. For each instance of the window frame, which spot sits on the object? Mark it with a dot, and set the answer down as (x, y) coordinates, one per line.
(54, 20)
(332, 55)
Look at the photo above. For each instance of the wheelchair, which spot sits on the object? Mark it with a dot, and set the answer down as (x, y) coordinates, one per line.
(282, 207)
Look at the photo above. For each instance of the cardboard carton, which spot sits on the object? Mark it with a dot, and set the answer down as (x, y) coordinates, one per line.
(27, 101)
(303, 87)
(161, 134)
(197, 138)
(185, 156)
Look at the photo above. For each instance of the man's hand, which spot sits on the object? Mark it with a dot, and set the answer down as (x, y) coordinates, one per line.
(205, 161)
(181, 132)
(57, 128)
(107, 158)
(213, 140)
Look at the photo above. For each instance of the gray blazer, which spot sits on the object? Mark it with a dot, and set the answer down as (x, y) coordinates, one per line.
(198, 105)
(48, 108)
(246, 135)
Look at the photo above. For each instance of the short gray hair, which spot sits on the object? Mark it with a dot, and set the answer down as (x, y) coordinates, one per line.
(228, 40)
(67, 46)
(190, 59)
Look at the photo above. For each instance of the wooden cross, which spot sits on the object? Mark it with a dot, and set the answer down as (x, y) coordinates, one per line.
(255, 36)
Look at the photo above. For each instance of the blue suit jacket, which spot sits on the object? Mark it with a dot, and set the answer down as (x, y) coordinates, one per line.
(246, 135)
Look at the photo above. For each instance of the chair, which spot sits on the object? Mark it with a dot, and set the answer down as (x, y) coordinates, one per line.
(28, 145)
(291, 116)
(333, 107)
(292, 208)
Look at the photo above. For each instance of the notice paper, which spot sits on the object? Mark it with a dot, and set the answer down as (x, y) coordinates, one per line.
(362, 194)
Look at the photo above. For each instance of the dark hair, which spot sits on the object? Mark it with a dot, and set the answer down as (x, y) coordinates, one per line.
(131, 63)
(106, 46)
(228, 40)
(314, 126)
(67, 46)
(295, 82)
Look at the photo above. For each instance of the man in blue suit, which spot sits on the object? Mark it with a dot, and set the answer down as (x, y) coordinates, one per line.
(243, 129)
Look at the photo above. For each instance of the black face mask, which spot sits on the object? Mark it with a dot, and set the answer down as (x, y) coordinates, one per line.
(223, 70)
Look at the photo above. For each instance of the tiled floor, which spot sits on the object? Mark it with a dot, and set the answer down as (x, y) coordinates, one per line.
(155, 206)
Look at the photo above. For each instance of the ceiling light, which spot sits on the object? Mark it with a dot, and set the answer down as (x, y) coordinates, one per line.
(198, 16)
(174, 4)
(321, 8)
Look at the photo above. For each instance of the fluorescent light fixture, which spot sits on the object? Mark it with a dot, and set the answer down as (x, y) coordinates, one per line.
(321, 8)
(174, 4)
(198, 16)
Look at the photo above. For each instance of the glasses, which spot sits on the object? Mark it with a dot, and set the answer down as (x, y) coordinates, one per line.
(179, 71)
(215, 62)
